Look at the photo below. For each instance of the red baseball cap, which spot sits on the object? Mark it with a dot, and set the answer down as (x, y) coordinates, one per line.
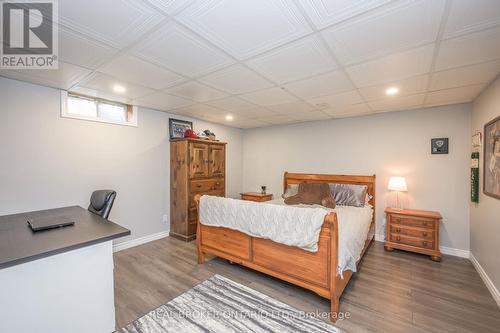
(189, 133)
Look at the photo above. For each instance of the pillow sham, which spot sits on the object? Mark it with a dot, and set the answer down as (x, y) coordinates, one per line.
(290, 191)
(349, 194)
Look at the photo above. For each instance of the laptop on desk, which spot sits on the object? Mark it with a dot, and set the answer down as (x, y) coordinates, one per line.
(39, 224)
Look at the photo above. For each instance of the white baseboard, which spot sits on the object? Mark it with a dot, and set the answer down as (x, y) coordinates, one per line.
(444, 250)
(455, 252)
(486, 279)
(139, 241)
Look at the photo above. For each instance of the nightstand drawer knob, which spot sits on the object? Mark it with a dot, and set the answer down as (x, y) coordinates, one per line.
(424, 233)
(398, 238)
(424, 243)
(398, 230)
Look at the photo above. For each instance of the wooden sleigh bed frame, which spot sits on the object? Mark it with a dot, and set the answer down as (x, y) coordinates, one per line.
(314, 271)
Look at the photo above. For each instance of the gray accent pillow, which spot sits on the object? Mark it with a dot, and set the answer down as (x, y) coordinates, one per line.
(349, 194)
(290, 191)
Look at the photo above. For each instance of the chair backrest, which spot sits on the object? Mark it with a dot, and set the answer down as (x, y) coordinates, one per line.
(101, 202)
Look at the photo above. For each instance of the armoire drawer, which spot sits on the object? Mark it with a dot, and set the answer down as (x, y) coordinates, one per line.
(192, 203)
(193, 214)
(201, 186)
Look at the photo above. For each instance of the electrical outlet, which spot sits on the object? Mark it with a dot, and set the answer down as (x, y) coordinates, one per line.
(165, 219)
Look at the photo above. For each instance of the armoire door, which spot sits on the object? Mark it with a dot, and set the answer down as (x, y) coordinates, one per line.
(198, 154)
(217, 161)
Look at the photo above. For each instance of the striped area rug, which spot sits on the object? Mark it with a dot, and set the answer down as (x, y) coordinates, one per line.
(221, 305)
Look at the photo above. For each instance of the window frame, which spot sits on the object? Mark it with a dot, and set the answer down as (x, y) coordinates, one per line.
(128, 109)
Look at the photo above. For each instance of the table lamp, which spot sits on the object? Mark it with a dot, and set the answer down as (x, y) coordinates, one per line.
(397, 184)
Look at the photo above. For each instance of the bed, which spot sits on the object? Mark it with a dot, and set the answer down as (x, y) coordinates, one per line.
(317, 271)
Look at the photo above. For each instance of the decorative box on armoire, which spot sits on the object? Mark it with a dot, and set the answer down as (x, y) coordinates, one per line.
(196, 167)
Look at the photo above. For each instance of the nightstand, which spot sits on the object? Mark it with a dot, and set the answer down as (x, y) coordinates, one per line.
(413, 230)
(256, 196)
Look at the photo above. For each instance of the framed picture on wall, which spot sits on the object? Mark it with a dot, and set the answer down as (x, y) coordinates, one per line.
(439, 146)
(178, 127)
(491, 167)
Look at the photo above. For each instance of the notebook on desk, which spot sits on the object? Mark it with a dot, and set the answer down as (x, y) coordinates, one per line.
(40, 224)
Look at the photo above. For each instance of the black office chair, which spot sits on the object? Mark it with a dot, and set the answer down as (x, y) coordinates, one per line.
(101, 202)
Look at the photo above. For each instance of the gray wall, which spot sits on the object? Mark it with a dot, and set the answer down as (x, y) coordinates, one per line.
(485, 216)
(47, 161)
(384, 144)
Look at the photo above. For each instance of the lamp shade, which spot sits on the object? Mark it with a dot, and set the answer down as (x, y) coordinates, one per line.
(397, 184)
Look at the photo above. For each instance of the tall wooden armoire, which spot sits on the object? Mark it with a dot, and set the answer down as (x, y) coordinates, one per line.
(196, 166)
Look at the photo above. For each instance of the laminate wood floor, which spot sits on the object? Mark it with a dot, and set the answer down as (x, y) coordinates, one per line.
(393, 292)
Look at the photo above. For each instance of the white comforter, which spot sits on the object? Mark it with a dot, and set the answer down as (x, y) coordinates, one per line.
(291, 225)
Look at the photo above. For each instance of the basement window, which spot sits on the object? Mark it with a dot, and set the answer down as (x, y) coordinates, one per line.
(97, 109)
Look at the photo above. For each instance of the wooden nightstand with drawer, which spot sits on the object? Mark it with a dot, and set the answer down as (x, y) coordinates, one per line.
(413, 230)
(256, 196)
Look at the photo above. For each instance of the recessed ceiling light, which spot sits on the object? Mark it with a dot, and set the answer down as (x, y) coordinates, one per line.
(119, 89)
(229, 117)
(392, 91)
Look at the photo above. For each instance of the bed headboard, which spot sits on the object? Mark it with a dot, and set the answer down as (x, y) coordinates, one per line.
(297, 178)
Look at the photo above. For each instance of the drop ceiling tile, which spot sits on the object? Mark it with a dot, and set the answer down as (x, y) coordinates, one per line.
(179, 50)
(411, 86)
(300, 59)
(468, 16)
(279, 119)
(105, 83)
(397, 103)
(79, 50)
(245, 28)
(374, 35)
(162, 101)
(340, 111)
(231, 104)
(346, 98)
(394, 67)
(236, 80)
(203, 110)
(310, 116)
(469, 49)
(291, 108)
(219, 119)
(114, 22)
(250, 123)
(326, 12)
(170, 7)
(63, 78)
(134, 70)
(99, 94)
(465, 76)
(325, 84)
(269, 97)
(196, 91)
(454, 95)
(256, 112)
